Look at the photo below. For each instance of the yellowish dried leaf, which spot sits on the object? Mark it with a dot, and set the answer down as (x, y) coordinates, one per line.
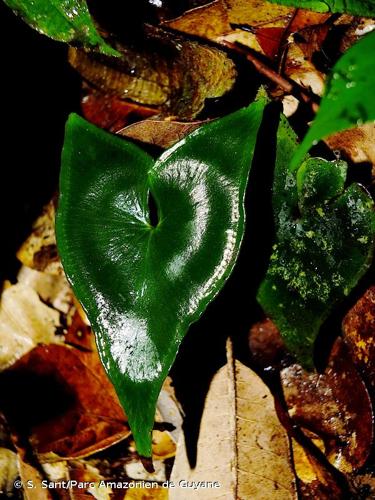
(242, 444)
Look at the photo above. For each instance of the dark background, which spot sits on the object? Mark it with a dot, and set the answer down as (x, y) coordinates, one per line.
(39, 90)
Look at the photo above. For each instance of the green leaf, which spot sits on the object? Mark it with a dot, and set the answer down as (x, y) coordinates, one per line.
(65, 21)
(324, 244)
(349, 98)
(354, 7)
(142, 285)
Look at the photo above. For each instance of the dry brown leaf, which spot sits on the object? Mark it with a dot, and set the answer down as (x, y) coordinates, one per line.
(209, 21)
(299, 69)
(356, 144)
(72, 421)
(109, 112)
(25, 321)
(147, 494)
(162, 133)
(39, 251)
(31, 479)
(314, 480)
(8, 471)
(173, 74)
(52, 289)
(266, 345)
(242, 444)
(359, 334)
(266, 22)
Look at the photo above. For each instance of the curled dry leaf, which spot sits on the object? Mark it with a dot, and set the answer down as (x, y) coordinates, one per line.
(25, 321)
(335, 406)
(359, 334)
(52, 289)
(314, 480)
(300, 69)
(8, 471)
(73, 421)
(39, 250)
(28, 472)
(242, 444)
(176, 76)
(109, 112)
(220, 21)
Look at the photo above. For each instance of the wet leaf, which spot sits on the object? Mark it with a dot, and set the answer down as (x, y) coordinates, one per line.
(266, 345)
(68, 21)
(143, 282)
(343, 105)
(355, 7)
(242, 444)
(335, 406)
(324, 245)
(314, 480)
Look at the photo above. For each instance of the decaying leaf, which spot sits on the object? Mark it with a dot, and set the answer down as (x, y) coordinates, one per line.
(54, 290)
(356, 7)
(299, 68)
(25, 321)
(109, 112)
(221, 21)
(8, 471)
(242, 444)
(314, 480)
(177, 75)
(162, 133)
(266, 345)
(359, 334)
(356, 144)
(39, 250)
(30, 476)
(335, 406)
(72, 421)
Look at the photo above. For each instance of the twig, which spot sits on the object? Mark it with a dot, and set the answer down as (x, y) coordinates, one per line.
(289, 86)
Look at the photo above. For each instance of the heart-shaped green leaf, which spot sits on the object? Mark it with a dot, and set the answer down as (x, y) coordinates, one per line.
(349, 98)
(355, 7)
(324, 244)
(142, 285)
(65, 21)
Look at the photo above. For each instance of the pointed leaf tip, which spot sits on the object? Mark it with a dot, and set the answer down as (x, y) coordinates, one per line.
(142, 285)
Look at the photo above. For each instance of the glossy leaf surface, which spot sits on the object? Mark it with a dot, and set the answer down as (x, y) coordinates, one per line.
(143, 284)
(67, 21)
(324, 244)
(355, 7)
(349, 99)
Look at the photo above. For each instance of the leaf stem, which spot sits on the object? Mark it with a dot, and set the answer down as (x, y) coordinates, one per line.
(287, 85)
